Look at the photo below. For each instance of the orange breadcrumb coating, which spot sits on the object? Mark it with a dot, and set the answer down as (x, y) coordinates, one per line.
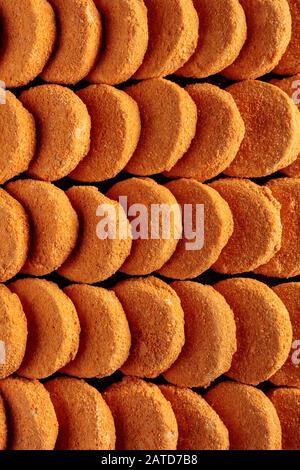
(199, 426)
(217, 141)
(53, 221)
(13, 332)
(53, 327)
(217, 224)
(85, 421)
(290, 62)
(78, 41)
(148, 255)
(31, 419)
(257, 226)
(287, 404)
(272, 124)
(3, 426)
(63, 125)
(94, 259)
(28, 33)
(291, 86)
(105, 336)
(125, 40)
(173, 36)
(17, 138)
(289, 374)
(14, 236)
(156, 323)
(168, 120)
(269, 29)
(116, 128)
(210, 336)
(248, 414)
(144, 419)
(264, 330)
(286, 262)
(222, 34)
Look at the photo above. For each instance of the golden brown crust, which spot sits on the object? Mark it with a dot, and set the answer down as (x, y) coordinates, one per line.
(210, 339)
(289, 374)
(286, 262)
(222, 34)
(287, 404)
(53, 327)
(217, 141)
(144, 419)
(264, 330)
(54, 224)
(13, 333)
(156, 323)
(173, 36)
(248, 414)
(30, 414)
(94, 259)
(291, 86)
(77, 44)
(269, 29)
(17, 138)
(168, 119)
(210, 336)
(115, 132)
(272, 129)
(125, 40)
(290, 62)
(85, 421)
(257, 226)
(217, 224)
(63, 124)
(14, 236)
(3, 426)
(149, 255)
(105, 338)
(28, 27)
(199, 426)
